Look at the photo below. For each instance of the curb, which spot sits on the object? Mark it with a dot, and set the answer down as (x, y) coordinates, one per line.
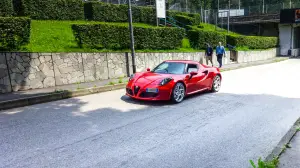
(278, 150)
(56, 96)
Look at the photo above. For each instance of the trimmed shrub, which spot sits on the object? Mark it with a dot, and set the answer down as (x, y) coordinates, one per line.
(186, 20)
(196, 16)
(116, 36)
(6, 8)
(106, 12)
(14, 32)
(199, 38)
(252, 42)
(54, 9)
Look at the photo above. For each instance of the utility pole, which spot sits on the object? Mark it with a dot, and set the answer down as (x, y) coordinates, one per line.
(131, 36)
(186, 6)
(228, 16)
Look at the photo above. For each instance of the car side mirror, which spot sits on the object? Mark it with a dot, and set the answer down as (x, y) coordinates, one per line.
(148, 69)
(193, 73)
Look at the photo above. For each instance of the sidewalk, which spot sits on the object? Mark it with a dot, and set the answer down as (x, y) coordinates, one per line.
(39, 92)
(36, 93)
(291, 157)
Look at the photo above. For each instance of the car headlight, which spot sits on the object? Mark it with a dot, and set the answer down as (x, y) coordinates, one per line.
(165, 81)
(131, 77)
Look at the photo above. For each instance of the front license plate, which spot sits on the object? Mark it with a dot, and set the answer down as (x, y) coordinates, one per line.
(152, 90)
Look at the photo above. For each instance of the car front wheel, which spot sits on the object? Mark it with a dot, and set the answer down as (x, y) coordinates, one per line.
(178, 93)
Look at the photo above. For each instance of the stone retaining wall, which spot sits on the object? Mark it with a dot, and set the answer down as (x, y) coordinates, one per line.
(24, 71)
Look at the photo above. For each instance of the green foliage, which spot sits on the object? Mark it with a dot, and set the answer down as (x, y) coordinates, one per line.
(252, 42)
(186, 20)
(185, 43)
(14, 32)
(106, 12)
(6, 8)
(196, 17)
(199, 38)
(116, 36)
(262, 164)
(54, 9)
(211, 27)
(120, 80)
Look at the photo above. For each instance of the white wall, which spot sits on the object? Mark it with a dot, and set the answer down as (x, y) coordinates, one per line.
(285, 38)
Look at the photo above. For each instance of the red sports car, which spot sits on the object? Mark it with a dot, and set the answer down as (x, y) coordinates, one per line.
(173, 80)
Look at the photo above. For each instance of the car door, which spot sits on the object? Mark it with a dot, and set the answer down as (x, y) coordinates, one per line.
(193, 83)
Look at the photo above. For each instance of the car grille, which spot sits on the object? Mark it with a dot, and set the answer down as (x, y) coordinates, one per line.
(147, 94)
(136, 89)
(129, 91)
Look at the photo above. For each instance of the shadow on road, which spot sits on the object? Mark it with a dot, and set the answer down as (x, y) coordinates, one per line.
(219, 130)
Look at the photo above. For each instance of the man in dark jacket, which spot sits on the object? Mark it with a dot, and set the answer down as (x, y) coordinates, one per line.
(208, 53)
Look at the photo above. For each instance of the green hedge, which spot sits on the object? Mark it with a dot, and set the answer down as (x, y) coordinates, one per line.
(14, 32)
(186, 20)
(6, 8)
(116, 36)
(196, 16)
(199, 38)
(107, 12)
(54, 9)
(252, 42)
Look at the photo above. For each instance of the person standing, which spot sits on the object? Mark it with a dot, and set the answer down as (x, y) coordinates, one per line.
(220, 51)
(208, 53)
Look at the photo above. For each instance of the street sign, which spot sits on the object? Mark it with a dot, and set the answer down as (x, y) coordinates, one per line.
(160, 9)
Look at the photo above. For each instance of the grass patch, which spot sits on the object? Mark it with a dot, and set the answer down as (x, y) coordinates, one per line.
(120, 80)
(110, 83)
(298, 129)
(57, 36)
(262, 164)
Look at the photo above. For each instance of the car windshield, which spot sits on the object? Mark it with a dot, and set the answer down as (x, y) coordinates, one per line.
(170, 68)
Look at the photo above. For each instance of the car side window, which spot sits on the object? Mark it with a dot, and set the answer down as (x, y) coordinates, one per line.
(192, 68)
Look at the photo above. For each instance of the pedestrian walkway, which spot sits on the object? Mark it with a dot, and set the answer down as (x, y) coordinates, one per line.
(291, 157)
(72, 87)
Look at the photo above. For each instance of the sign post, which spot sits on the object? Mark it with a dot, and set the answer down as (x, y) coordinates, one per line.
(160, 10)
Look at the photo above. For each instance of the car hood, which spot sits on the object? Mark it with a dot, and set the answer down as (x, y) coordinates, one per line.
(150, 77)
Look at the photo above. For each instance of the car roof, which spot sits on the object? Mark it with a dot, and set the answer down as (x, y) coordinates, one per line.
(183, 61)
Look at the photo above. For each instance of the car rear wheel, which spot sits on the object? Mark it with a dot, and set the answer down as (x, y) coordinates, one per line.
(178, 93)
(216, 85)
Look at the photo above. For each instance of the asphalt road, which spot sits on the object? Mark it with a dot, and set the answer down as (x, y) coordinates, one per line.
(245, 120)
